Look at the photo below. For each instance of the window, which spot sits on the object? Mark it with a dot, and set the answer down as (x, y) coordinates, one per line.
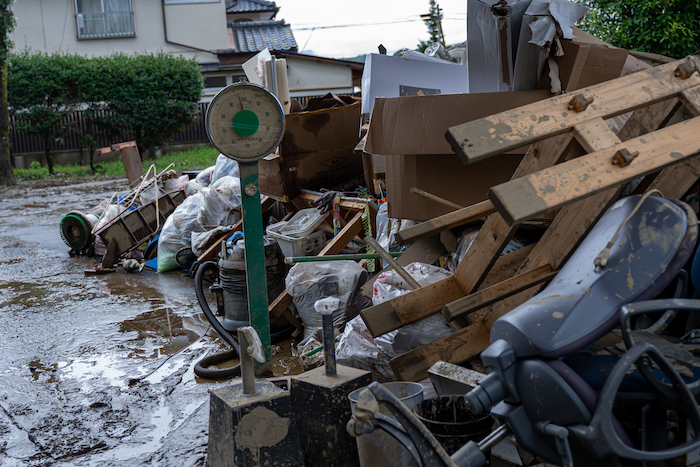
(99, 19)
(214, 81)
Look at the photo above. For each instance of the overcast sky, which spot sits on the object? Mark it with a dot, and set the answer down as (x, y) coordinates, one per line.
(364, 24)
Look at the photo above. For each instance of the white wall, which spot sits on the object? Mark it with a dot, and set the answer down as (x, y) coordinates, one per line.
(49, 26)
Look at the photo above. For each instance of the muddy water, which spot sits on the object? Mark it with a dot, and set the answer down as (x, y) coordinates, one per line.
(95, 370)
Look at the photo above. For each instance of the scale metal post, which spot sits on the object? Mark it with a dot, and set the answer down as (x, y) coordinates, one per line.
(245, 122)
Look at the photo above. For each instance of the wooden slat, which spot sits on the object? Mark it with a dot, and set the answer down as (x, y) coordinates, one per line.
(499, 133)
(497, 292)
(691, 100)
(446, 221)
(454, 348)
(384, 317)
(532, 195)
(495, 233)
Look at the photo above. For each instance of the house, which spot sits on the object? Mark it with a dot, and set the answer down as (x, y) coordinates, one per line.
(192, 28)
(220, 35)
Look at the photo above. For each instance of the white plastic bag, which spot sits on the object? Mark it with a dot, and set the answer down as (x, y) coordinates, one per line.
(225, 166)
(211, 207)
(390, 285)
(358, 349)
(309, 282)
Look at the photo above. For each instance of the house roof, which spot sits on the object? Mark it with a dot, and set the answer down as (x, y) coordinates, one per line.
(246, 6)
(255, 36)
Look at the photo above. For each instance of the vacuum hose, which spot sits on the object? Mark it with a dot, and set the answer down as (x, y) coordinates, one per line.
(201, 368)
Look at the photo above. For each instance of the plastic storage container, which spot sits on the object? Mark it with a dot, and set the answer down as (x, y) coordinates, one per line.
(309, 245)
(303, 223)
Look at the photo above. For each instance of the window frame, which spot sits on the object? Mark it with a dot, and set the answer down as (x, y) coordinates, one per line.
(79, 19)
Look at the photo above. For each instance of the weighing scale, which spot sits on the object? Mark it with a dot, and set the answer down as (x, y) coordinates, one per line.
(245, 122)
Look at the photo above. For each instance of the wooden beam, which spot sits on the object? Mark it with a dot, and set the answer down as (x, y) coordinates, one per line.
(455, 348)
(446, 221)
(499, 133)
(532, 195)
(495, 234)
(497, 292)
(421, 303)
(691, 100)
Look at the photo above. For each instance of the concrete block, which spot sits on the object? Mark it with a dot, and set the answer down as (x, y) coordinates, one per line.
(252, 430)
(322, 410)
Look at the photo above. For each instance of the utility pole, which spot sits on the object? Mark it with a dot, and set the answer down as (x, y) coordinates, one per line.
(7, 176)
(433, 19)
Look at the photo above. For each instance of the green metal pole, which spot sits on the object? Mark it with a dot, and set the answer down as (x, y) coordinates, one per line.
(256, 273)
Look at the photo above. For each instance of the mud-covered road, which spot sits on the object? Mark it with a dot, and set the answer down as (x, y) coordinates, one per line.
(94, 370)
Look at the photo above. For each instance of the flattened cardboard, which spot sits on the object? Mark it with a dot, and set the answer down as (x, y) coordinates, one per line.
(417, 124)
(585, 64)
(444, 176)
(317, 149)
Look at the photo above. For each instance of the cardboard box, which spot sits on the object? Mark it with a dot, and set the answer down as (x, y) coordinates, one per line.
(585, 64)
(317, 150)
(443, 175)
(417, 125)
(493, 32)
(410, 131)
(388, 76)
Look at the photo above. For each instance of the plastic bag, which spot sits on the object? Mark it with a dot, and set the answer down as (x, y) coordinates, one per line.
(203, 178)
(225, 167)
(390, 285)
(466, 240)
(214, 206)
(358, 349)
(309, 282)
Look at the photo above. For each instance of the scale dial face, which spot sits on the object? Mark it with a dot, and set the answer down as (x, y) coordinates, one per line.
(245, 122)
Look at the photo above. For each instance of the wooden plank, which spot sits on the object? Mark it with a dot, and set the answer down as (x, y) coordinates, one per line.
(426, 250)
(595, 135)
(691, 100)
(495, 234)
(497, 292)
(532, 195)
(499, 133)
(446, 221)
(422, 303)
(455, 348)
(446, 202)
(384, 317)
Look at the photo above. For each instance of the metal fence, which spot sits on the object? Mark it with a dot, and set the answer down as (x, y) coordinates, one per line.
(23, 143)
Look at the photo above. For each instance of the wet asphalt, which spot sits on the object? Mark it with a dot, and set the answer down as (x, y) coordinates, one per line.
(94, 370)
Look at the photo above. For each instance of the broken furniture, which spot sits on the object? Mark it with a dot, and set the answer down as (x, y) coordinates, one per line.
(551, 176)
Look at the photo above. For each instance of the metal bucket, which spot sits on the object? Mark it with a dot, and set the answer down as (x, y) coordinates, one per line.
(449, 419)
(379, 449)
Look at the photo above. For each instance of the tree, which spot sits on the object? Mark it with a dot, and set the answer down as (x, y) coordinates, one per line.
(666, 27)
(7, 23)
(433, 20)
(42, 92)
(153, 96)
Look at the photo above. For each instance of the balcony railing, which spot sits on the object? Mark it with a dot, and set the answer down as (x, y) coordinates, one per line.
(105, 25)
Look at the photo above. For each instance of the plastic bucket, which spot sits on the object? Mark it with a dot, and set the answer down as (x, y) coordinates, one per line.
(450, 420)
(379, 448)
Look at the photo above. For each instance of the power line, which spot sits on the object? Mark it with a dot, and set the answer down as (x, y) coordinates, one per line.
(311, 28)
